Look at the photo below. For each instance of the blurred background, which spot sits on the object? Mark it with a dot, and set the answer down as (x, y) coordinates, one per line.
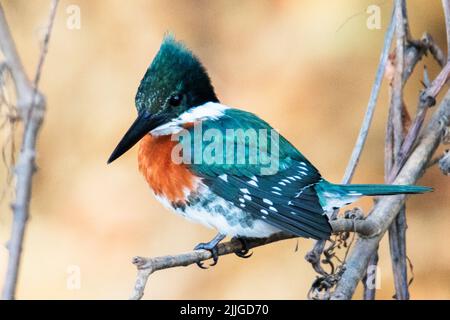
(306, 67)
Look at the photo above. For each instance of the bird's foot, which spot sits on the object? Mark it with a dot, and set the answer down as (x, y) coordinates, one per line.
(211, 247)
(245, 251)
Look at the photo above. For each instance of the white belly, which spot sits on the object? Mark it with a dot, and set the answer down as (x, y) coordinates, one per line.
(223, 216)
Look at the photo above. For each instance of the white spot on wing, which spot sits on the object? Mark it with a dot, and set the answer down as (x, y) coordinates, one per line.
(224, 177)
(252, 182)
(244, 190)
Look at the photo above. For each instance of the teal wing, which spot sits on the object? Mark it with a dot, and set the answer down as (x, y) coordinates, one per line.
(275, 183)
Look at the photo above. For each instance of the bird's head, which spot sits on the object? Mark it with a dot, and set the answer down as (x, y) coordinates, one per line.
(175, 82)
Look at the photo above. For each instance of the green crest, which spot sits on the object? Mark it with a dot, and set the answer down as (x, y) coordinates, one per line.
(174, 82)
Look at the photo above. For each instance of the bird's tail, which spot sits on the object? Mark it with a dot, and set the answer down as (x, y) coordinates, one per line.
(333, 196)
(380, 189)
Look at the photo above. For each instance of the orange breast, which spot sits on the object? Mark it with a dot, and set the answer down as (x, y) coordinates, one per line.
(165, 177)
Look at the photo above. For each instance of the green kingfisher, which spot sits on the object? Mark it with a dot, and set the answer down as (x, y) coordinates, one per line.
(223, 167)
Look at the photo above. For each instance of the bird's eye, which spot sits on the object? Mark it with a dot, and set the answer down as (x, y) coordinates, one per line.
(175, 100)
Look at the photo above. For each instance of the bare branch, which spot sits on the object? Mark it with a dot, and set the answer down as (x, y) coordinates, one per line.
(395, 158)
(25, 167)
(427, 99)
(23, 86)
(435, 50)
(397, 230)
(387, 208)
(397, 84)
(446, 6)
(369, 288)
(147, 266)
(444, 163)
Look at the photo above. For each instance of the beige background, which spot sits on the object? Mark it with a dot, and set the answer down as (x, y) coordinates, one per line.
(305, 66)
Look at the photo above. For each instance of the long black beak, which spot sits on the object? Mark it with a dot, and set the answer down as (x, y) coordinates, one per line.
(141, 126)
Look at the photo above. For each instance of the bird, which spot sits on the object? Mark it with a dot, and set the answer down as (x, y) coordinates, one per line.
(243, 179)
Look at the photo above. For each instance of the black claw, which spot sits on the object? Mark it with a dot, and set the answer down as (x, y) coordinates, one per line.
(245, 251)
(215, 259)
(211, 247)
(244, 254)
(215, 255)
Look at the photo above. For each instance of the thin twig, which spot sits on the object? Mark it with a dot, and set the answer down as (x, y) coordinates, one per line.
(435, 160)
(446, 6)
(22, 84)
(397, 84)
(435, 50)
(364, 131)
(25, 166)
